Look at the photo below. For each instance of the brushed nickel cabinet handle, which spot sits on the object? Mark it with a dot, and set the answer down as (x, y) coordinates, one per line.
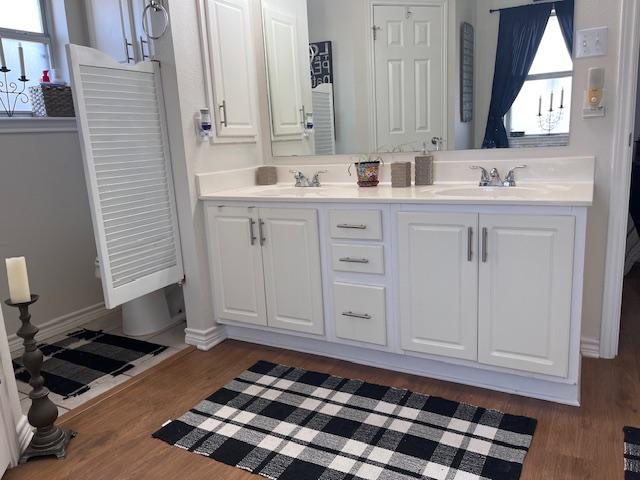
(485, 235)
(223, 114)
(352, 227)
(128, 44)
(142, 42)
(354, 260)
(470, 244)
(364, 316)
(261, 232)
(252, 234)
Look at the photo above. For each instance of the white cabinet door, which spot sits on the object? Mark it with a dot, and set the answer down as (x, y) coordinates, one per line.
(110, 27)
(5, 453)
(236, 264)
(230, 42)
(525, 292)
(291, 259)
(438, 283)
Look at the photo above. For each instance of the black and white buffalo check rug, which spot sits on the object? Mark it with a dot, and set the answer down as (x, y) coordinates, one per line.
(73, 364)
(631, 453)
(285, 423)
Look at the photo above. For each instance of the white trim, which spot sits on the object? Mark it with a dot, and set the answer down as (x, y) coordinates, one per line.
(590, 347)
(565, 393)
(37, 125)
(205, 339)
(24, 432)
(62, 324)
(620, 178)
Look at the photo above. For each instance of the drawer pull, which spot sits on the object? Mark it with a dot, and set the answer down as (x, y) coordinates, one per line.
(366, 316)
(485, 235)
(354, 260)
(352, 227)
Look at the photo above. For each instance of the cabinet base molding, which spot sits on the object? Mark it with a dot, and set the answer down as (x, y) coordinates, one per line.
(590, 347)
(558, 392)
(24, 432)
(205, 339)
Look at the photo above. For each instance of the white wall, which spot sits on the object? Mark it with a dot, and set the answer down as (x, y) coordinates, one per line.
(462, 137)
(44, 213)
(345, 23)
(184, 84)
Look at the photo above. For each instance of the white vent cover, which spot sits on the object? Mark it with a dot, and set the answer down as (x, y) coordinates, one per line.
(127, 163)
(324, 134)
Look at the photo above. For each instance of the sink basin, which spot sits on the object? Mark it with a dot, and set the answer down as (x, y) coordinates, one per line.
(499, 192)
(277, 191)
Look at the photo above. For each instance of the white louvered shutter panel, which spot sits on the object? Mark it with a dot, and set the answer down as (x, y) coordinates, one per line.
(324, 134)
(127, 162)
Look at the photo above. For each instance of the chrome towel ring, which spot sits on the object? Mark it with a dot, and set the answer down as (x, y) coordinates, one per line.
(154, 6)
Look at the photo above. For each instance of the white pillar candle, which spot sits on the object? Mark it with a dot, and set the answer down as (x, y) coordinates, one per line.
(18, 280)
(3, 60)
(21, 56)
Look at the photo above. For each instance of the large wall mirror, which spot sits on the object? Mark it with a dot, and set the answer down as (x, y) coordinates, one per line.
(373, 76)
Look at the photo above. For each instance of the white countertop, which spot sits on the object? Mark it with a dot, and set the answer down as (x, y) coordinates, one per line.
(526, 193)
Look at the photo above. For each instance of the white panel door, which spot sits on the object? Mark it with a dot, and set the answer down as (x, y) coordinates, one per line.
(110, 26)
(5, 452)
(291, 259)
(438, 283)
(525, 292)
(233, 63)
(236, 264)
(123, 135)
(409, 74)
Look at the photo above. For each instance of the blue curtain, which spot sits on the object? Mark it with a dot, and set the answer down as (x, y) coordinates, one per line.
(519, 36)
(564, 11)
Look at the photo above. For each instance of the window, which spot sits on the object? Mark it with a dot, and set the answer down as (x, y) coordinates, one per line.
(550, 77)
(24, 22)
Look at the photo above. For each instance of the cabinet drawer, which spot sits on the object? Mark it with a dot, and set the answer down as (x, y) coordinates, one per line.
(360, 313)
(356, 224)
(358, 258)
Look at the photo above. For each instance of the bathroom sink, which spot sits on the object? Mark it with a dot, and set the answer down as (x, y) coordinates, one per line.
(499, 192)
(278, 191)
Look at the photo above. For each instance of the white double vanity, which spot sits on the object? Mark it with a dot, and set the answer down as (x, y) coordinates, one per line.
(481, 286)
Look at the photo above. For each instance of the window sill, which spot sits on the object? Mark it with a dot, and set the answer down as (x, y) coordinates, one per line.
(530, 141)
(37, 125)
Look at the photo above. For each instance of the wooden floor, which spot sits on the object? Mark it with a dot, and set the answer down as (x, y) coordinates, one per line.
(114, 439)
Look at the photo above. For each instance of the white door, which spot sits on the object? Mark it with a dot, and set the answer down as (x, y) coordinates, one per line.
(438, 286)
(128, 170)
(525, 292)
(110, 28)
(144, 45)
(292, 273)
(236, 264)
(233, 61)
(287, 47)
(410, 74)
(5, 452)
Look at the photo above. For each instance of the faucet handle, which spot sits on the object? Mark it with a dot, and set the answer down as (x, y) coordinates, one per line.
(484, 180)
(510, 179)
(315, 181)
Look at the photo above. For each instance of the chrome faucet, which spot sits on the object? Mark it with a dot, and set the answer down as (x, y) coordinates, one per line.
(492, 179)
(303, 181)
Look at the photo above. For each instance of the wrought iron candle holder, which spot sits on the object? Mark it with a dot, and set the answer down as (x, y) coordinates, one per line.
(48, 439)
(11, 93)
(549, 121)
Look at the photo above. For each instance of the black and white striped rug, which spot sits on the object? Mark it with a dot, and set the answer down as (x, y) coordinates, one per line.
(72, 365)
(631, 453)
(286, 423)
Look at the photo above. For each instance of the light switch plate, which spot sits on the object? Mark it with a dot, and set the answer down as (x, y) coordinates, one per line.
(592, 42)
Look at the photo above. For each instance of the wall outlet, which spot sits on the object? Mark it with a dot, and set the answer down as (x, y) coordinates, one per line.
(592, 42)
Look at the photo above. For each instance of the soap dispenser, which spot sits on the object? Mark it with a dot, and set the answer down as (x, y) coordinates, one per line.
(424, 167)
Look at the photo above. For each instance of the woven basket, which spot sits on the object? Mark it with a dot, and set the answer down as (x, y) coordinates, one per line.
(52, 101)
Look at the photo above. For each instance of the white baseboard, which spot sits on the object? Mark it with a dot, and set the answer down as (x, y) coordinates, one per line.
(205, 339)
(62, 324)
(558, 392)
(590, 347)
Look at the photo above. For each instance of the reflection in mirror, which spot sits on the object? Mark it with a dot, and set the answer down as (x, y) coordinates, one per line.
(358, 76)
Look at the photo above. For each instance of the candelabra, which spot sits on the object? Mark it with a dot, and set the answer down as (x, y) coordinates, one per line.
(551, 119)
(48, 438)
(10, 93)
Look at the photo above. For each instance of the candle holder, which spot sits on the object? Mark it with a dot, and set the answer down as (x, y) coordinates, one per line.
(11, 93)
(551, 119)
(48, 439)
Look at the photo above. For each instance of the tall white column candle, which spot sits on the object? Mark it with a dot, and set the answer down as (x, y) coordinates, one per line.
(18, 280)
(3, 60)
(21, 56)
